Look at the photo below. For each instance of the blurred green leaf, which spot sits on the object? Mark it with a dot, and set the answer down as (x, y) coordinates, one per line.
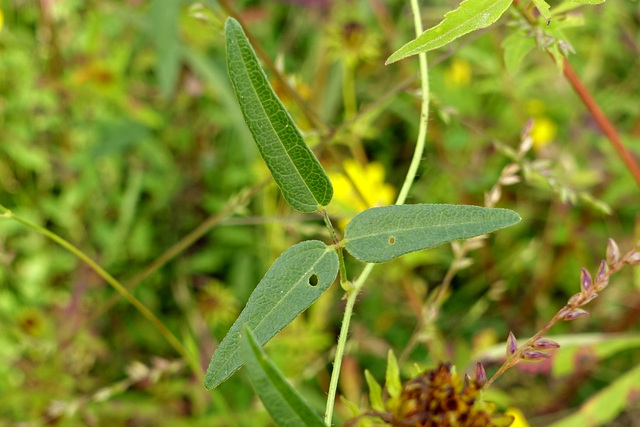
(295, 280)
(382, 234)
(284, 403)
(516, 47)
(470, 16)
(375, 392)
(165, 18)
(294, 167)
(604, 406)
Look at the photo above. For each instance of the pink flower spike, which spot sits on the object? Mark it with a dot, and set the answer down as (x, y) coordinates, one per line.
(574, 314)
(543, 343)
(480, 374)
(613, 253)
(512, 344)
(535, 355)
(585, 281)
(576, 300)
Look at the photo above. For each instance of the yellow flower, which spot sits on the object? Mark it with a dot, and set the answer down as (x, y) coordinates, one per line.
(458, 74)
(544, 129)
(543, 132)
(369, 180)
(518, 417)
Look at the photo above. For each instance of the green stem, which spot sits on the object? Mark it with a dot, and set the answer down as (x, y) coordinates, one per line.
(348, 91)
(424, 114)
(175, 343)
(402, 197)
(342, 341)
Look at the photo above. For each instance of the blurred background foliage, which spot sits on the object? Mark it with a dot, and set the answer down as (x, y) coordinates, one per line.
(119, 131)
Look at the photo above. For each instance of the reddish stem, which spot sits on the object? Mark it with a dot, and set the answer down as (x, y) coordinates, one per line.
(607, 128)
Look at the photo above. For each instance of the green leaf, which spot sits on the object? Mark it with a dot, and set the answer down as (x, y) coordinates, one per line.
(516, 47)
(165, 27)
(470, 16)
(543, 8)
(286, 406)
(392, 376)
(295, 280)
(382, 234)
(294, 167)
(603, 407)
(375, 392)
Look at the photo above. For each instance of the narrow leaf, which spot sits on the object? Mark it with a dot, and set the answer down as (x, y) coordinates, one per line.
(470, 16)
(295, 280)
(294, 167)
(382, 234)
(543, 8)
(286, 406)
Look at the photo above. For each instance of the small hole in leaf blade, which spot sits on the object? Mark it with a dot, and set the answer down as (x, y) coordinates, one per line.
(313, 280)
(392, 240)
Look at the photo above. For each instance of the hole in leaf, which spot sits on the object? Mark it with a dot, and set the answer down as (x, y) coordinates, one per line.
(392, 240)
(313, 280)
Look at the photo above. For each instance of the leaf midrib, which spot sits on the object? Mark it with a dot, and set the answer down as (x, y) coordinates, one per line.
(246, 72)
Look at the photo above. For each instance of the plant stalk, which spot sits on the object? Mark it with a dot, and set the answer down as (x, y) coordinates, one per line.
(402, 197)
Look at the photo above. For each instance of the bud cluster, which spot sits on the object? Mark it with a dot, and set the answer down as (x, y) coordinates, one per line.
(532, 350)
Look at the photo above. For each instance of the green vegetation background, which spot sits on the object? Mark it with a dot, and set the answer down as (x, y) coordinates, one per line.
(119, 131)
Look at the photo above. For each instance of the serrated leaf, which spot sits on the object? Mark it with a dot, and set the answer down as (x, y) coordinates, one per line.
(471, 15)
(543, 8)
(516, 47)
(294, 167)
(285, 405)
(382, 234)
(295, 280)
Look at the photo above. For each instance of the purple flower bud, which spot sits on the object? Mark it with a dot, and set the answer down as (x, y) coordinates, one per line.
(535, 355)
(543, 343)
(512, 344)
(613, 253)
(585, 281)
(480, 374)
(574, 314)
(633, 258)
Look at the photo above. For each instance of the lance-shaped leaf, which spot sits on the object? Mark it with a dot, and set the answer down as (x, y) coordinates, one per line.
(471, 15)
(294, 167)
(382, 234)
(295, 280)
(286, 406)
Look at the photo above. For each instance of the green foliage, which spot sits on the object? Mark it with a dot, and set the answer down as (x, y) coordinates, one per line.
(470, 16)
(295, 280)
(382, 234)
(298, 173)
(284, 403)
(121, 133)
